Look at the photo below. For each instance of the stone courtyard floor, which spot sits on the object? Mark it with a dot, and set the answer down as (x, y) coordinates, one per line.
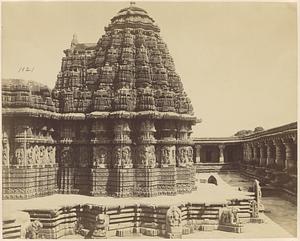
(278, 210)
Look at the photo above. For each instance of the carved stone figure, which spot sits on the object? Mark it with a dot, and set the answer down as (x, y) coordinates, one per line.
(190, 155)
(147, 156)
(182, 156)
(126, 153)
(122, 157)
(100, 156)
(168, 155)
(30, 151)
(33, 229)
(19, 155)
(51, 154)
(36, 155)
(174, 222)
(101, 226)
(42, 154)
(229, 216)
(258, 194)
(5, 154)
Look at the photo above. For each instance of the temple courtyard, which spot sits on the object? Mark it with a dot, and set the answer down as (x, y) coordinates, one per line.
(280, 216)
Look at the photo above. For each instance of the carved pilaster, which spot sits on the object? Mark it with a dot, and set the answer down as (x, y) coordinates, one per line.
(221, 149)
(198, 153)
(122, 155)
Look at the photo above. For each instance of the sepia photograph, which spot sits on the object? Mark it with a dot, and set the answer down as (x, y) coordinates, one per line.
(149, 120)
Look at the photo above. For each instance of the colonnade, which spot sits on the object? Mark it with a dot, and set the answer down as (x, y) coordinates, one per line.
(279, 152)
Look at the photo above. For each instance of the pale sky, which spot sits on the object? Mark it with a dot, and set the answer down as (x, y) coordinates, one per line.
(237, 61)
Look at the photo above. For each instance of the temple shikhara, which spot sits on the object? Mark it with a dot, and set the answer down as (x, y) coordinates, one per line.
(118, 125)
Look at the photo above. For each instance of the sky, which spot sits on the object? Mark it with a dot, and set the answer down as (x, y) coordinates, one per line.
(237, 61)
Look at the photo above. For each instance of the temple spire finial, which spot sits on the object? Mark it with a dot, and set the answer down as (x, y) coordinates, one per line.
(74, 40)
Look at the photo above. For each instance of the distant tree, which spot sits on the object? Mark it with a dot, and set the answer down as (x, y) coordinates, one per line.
(243, 133)
(258, 129)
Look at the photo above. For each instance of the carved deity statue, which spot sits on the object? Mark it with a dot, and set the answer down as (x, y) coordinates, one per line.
(101, 226)
(100, 156)
(19, 155)
(122, 157)
(42, 154)
(168, 155)
(147, 156)
(174, 222)
(182, 156)
(190, 155)
(36, 155)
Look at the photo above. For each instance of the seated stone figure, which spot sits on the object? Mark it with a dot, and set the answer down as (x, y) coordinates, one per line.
(33, 229)
(101, 226)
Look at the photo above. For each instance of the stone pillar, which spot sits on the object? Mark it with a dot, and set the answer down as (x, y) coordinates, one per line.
(198, 153)
(255, 156)
(269, 157)
(278, 150)
(221, 157)
(250, 152)
(261, 154)
(288, 162)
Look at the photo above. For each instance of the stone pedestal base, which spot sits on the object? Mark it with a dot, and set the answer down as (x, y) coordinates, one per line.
(231, 228)
(208, 227)
(149, 231)
(256, 220)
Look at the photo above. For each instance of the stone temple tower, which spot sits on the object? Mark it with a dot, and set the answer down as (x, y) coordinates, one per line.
(122, 121)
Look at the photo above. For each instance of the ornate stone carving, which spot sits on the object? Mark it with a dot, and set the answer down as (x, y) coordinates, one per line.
(147, 157)
(42, 154)
(5, 153)
(100, 157)
(33, 230)
(190, 155)
(168, 156)
(19, 156)
(229, 216)
(101, 226)
(174, 222)
(30, 155)
(182, 156)
(36, 155)
(122, 157)
(51, 154)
